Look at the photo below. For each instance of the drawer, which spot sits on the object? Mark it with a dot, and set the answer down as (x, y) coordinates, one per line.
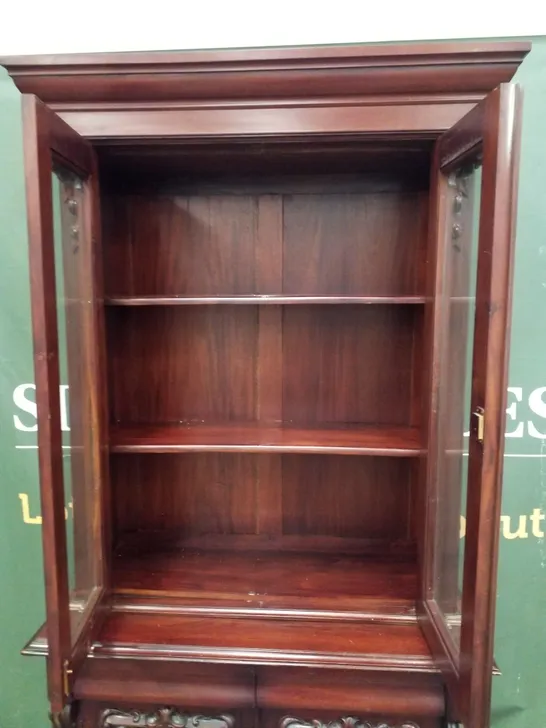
(350, 692)
(149, 682)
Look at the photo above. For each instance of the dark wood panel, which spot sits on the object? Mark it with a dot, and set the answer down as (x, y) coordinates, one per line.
(193, 684)
(189, 684)
(289, 580)
(182, 245)
(256, 438)
(348, 364)
(267, 166)
(352, 243)
(139, 542)
(207, 494)
(335, 690)
(220, 243)
(265, 641)
(336, 496)
(406, 117)
(196, 494)
(183, 365)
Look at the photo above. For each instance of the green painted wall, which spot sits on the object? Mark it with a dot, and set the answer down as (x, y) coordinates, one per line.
(521, 632)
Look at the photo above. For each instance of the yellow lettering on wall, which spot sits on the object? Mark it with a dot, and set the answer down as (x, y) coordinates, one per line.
(462, 527)
(521, 532)
(25, 506)
(37, 520)
(536, 517)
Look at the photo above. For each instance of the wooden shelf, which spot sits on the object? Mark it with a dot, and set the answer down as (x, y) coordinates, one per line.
(256, 438)
(338, 585)
(258, 299)
(264, 641)
(260, 641)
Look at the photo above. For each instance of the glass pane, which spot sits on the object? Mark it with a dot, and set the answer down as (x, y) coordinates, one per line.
(464, 186)
(73, 266)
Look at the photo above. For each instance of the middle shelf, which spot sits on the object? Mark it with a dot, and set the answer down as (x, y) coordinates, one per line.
(258, 438)
(271, 299)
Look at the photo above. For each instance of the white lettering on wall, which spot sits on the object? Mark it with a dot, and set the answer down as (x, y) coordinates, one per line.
(538, 407)
(24, 398)
(517, 423)
(511, 412)
(25, 405)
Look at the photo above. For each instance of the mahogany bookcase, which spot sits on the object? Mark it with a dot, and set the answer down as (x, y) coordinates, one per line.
(277, 283)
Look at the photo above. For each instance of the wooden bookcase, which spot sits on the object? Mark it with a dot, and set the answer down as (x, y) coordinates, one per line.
(277, 284)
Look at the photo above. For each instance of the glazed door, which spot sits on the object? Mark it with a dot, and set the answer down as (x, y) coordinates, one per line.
(63, 224)
(475, 177)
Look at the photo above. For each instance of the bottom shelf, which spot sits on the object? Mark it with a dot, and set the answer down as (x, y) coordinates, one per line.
(261, 581)
(290, 608)
(257, 641)
(264, 641)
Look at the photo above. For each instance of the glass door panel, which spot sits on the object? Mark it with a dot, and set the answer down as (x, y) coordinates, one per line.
(463, 187)
(81, 448)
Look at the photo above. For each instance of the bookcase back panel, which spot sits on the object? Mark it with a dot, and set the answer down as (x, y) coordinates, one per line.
(171, 365)
(234, 242)
(348, 363)
(353, 243)
(297, 364)
(277, 496)
(180, 244)
(195, 494)
(346, 497)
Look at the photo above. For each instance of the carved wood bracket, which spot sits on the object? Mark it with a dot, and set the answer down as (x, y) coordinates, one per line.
(348, 721)
(64, 719)
(161, 718)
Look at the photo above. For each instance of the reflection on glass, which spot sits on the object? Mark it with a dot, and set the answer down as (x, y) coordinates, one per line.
(73, 279)
(453, 409)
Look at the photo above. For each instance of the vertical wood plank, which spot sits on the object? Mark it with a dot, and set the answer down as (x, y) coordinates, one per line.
(269, 248)
(100, 411)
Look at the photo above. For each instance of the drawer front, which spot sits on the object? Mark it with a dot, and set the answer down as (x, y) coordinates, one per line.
(133, 694)
(350, 693)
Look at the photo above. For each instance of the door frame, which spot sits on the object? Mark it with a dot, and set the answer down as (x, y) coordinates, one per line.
(49, 140)
(492, 130)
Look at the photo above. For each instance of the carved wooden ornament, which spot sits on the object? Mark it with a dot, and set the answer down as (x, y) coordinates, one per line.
(348, 721)
(161, 718)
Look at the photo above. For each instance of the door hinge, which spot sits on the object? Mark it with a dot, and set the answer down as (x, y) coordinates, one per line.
(67, 672)
(479, 414)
